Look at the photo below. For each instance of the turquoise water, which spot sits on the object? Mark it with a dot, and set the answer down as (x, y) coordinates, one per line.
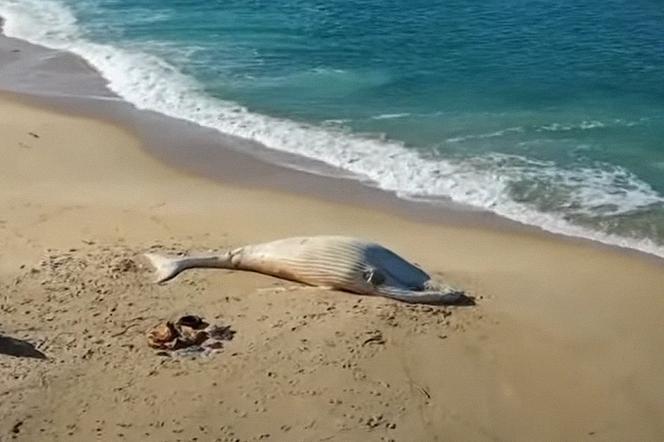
(548, 113)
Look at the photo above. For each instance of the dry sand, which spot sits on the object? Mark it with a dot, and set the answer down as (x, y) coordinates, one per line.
(565, 342)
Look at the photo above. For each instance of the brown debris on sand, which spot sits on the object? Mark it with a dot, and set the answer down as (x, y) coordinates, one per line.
(188, 332)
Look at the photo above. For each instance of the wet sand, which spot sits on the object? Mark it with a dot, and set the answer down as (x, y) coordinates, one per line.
(564, 342)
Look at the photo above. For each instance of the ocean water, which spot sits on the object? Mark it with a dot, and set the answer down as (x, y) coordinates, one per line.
(547, 113)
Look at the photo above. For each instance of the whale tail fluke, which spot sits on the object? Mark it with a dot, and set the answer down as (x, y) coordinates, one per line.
(166, 267)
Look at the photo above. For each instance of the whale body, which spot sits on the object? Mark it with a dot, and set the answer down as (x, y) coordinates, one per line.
(335, 262)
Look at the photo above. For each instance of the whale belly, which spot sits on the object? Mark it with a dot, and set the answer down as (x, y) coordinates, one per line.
(333, 261)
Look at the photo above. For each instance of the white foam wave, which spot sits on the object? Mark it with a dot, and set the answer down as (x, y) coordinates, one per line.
(552, 127)
(495, 134)
(584, 125)
(336, 122)
(587, 125)
(390, 116)
(151, 83)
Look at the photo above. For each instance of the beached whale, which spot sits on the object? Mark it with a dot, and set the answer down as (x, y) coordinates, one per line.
(335, 262)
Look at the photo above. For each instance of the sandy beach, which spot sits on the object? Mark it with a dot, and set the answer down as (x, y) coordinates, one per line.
(563, 344)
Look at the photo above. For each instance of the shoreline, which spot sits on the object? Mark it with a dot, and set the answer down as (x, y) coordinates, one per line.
(233, 160)
(237, 162)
